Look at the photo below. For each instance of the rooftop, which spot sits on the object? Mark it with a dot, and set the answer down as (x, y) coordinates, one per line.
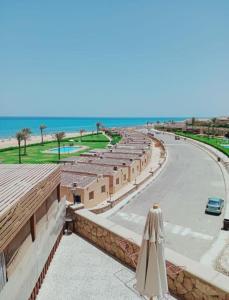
(90, 169)
(106, 161)
(68, 178)
(133, 146)
(119, 155)
(23, 189)
(17, 180)
(127, 151)
(71, 159)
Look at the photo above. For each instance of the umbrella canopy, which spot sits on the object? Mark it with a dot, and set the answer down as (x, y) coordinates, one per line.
(151, 269)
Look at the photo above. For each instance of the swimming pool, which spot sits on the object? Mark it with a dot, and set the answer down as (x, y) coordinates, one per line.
(65, 149)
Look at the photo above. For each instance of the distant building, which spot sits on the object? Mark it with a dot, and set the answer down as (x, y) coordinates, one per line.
(222, 121)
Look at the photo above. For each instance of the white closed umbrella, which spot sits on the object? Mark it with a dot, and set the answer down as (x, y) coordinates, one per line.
(151, 268)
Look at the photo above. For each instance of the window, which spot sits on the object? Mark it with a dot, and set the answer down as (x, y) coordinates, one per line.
(138, 168)
(124, 177)
(103, 188)
(145, 160)
(132, 170)
(117, 180)
(91, 195)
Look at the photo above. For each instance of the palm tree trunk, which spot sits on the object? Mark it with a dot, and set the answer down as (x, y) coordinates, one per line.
(19, 153)
(42, 139)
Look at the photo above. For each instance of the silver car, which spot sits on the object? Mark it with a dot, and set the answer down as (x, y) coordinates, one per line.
(214, 206)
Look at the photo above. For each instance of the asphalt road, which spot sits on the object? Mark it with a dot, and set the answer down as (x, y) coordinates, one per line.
(189, 177)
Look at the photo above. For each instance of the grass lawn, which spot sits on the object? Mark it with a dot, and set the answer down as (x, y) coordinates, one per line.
(212, 141)
(35, 152)
(115, 138)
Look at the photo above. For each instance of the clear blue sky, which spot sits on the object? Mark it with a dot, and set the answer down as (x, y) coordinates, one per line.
(114, 58)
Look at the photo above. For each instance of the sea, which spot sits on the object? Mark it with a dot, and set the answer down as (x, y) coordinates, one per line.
(10, 125)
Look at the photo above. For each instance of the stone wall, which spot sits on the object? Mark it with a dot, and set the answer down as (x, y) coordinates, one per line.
(187, 279)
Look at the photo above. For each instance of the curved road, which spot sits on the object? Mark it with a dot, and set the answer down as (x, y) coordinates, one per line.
(189, 177)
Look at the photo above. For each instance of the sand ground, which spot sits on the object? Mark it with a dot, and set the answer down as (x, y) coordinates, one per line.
(11, 142)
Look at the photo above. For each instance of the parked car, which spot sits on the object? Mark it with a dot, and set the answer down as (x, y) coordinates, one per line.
(177, 137)
(214, 206)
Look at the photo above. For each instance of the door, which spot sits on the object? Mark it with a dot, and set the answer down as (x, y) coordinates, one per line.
(77, 199)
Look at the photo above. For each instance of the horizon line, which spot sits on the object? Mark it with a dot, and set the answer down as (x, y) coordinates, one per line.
(117, 117)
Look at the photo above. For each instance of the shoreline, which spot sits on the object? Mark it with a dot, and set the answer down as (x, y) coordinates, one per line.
(12, 142)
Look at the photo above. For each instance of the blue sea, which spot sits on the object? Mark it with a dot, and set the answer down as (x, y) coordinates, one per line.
(10, 125)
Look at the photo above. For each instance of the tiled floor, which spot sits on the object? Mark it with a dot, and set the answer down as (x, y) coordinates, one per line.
(81, 271)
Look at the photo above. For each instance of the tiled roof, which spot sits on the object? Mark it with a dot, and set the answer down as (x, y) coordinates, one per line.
(70, 159)
(68, 178)
(106, 161)
(122, 155)
(127, 151)
(90, 169)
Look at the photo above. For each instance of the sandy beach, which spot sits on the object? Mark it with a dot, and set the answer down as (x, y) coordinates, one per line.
(12, 142)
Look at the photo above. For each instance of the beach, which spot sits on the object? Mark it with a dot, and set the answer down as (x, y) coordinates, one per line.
(12, 142)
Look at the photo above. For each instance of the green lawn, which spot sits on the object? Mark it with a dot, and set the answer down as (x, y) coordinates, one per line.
(115, 138)
(213, 141)
(35, 152)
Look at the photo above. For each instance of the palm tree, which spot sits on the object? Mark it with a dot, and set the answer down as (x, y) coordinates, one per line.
(59, 136)
(81, 133)
(98, 125)
(19, 137)
(213, 124)
(193, 122)
(42, 128)
(209, 124)
(26, 134)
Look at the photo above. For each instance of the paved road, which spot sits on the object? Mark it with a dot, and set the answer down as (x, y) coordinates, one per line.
(188, 179)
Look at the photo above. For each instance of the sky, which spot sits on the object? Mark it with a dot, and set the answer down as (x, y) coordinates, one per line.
(114, 58)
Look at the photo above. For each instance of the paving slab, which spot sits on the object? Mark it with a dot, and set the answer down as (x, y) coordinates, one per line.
(79, 270)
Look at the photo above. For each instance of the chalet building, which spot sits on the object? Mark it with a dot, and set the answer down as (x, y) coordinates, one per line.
(146, 154)
(133, 166)
(89, 190)
(31, 217)
(118, 176)
(116, 155)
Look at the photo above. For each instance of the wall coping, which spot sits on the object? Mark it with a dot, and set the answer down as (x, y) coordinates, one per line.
(204, 273)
